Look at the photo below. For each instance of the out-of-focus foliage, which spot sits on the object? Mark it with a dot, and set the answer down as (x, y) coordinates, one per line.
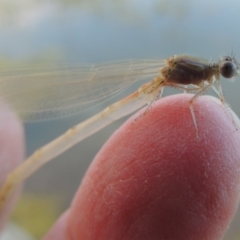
(178, 9)
(26, 12)
(36, 213)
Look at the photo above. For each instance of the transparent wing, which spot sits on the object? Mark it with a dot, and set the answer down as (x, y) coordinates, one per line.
(45, 93)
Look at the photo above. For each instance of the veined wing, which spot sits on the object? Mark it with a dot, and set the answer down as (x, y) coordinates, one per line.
(45, 93)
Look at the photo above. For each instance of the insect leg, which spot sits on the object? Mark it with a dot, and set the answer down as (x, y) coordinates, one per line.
(185, 89)
(204, 89)
(226, 106)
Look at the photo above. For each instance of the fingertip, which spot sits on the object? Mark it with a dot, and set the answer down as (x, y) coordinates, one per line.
(12, 151)
(154, 179)
(58, 231)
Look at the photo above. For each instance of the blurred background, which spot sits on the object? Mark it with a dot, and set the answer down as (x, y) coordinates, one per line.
(96, 31)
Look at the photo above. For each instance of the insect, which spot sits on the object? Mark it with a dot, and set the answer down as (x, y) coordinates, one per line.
(68, 91)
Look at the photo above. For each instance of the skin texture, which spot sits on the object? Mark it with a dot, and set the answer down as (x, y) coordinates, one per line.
(154, 180)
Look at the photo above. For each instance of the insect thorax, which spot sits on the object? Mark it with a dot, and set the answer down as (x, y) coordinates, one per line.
(183, 69)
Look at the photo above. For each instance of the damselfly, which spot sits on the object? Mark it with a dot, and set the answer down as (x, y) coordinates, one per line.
(51, 94)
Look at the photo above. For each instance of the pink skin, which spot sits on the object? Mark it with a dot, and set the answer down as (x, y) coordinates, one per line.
(12, 153)
(154, 180)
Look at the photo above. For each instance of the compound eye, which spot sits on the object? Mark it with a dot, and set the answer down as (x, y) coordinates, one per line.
(228, 69)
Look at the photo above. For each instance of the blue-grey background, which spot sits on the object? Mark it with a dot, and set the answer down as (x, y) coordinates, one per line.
(94, 31)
